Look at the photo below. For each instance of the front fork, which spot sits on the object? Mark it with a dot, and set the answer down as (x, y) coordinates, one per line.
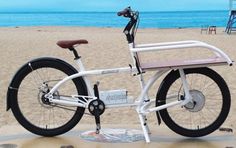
(188, 98)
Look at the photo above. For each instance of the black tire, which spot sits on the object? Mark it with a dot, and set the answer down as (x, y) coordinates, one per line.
(52, 128)
(207, 120)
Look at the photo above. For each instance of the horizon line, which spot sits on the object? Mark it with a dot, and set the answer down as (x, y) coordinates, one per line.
(104, 11)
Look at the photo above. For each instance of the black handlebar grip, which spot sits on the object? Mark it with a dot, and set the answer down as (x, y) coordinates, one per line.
(123, 12)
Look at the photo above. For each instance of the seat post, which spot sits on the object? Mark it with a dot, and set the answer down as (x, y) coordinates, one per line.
(75, 53)
(81, 69)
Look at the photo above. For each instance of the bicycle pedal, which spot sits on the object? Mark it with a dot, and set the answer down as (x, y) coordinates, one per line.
(97, 131)
(98, 128)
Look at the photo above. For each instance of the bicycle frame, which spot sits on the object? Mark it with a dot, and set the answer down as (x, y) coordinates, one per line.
(142, 103)
(190, 99)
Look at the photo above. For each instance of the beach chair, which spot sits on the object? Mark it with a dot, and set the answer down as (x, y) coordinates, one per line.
(204, 28)
(212, 29)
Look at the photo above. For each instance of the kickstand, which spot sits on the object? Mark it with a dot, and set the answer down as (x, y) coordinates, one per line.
(145, 128)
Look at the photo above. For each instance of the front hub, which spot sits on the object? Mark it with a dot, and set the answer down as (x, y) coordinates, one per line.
(197, 103)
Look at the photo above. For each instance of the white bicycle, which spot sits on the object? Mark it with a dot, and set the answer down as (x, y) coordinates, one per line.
(48, 96)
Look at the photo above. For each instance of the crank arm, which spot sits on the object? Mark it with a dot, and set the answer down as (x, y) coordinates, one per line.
(98, 125)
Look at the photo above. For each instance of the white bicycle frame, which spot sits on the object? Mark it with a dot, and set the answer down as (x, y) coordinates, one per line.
(141, 103)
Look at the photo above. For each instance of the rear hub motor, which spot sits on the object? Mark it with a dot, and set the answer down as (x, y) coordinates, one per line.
(197, 103)
(42, 99)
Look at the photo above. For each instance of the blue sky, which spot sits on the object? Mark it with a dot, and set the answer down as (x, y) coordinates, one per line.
(111, 5)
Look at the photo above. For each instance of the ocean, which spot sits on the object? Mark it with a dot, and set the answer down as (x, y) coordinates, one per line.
(185, 19)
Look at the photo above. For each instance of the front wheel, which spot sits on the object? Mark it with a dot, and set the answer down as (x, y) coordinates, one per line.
(210, 106)
(28, 104)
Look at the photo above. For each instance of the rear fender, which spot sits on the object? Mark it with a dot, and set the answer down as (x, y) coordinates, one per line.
(13, 88)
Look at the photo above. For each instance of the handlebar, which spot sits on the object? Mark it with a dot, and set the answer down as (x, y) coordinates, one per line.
(126, 12)
(131, 27)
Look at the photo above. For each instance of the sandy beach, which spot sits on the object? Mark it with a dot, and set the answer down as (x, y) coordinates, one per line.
(107, 48)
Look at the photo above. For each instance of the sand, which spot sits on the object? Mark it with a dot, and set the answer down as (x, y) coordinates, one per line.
(160, 137)
(107, 48)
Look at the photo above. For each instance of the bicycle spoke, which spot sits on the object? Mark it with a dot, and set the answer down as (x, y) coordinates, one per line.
(43, 115)
(205, 116)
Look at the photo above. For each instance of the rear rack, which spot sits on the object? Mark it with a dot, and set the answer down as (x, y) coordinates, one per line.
(220, 59)
(215, 61)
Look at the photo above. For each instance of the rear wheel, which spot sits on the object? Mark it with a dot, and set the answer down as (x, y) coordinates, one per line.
(210, 106)
(32, 110)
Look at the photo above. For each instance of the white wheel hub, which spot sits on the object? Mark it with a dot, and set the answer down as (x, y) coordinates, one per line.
(198, 101)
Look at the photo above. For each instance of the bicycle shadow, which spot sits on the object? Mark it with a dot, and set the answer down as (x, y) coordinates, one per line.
(32, 141)
(50, 142)
(73, 139)
(203, 142)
